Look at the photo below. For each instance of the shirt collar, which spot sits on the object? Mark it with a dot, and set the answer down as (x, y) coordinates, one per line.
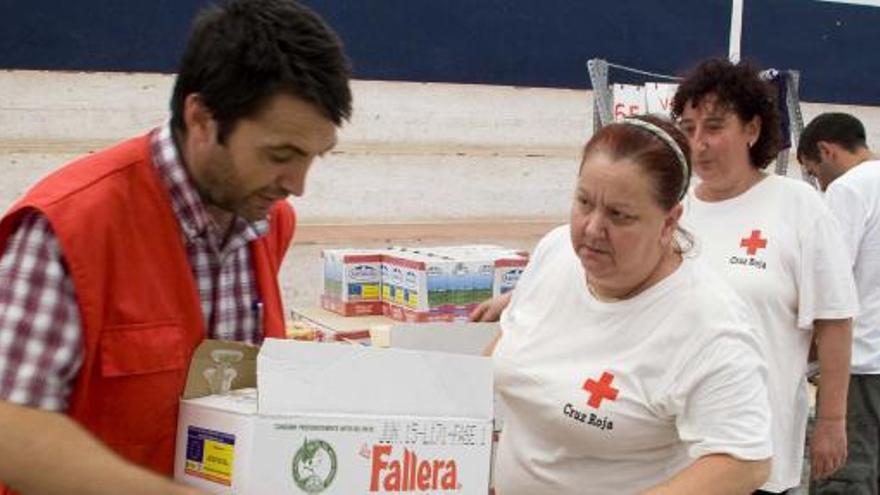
(187, 203)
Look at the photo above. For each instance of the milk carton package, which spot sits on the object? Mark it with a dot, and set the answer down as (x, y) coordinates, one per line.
(386, 279)
(418, 289)
(494, 270)
(470, 283)
(506, 272)
(442, 283)
(421, 285)
(445, 283)
(394, 268)
(438, 271)
(352, 282)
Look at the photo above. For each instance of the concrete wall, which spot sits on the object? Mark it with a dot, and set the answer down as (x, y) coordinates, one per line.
(419, 163)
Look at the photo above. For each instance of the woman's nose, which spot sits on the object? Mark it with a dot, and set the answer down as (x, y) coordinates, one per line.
(698, 140)
(594, 225)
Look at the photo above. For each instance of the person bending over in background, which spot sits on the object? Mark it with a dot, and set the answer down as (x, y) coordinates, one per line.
(833, 148)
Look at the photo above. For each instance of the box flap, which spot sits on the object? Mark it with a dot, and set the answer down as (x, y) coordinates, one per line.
(459, 338)
(218, 366)
(307, 377)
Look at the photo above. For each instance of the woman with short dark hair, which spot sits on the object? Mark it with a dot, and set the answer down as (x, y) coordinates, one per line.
(776, 243)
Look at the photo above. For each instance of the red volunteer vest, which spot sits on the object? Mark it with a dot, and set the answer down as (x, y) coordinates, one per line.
(138, 302)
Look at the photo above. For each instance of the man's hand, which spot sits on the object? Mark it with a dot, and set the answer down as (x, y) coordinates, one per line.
(828, 446)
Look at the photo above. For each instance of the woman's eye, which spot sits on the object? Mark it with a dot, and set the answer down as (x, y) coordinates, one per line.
(621, 216)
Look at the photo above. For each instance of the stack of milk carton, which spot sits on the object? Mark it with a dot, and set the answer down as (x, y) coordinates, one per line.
(352, 282)
(418, 284)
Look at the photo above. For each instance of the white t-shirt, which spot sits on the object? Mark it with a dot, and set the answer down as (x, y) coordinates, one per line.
(854, 198)
(617, 397)
(780, 248)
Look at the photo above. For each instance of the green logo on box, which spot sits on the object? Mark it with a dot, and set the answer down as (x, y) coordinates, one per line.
(314, 466)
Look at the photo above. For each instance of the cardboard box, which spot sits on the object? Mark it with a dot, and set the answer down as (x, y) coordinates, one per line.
(466, 338)
(338, 419)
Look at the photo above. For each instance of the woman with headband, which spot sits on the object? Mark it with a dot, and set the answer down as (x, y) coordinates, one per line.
(624, 367)
(776, 243)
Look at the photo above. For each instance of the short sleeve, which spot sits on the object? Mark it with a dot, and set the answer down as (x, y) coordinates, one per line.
(826, 288)
(548, 245)
(721, 402)
(851, 214)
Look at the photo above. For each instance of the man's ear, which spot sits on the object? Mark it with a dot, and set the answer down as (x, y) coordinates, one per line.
(827, 151)
(198, 120)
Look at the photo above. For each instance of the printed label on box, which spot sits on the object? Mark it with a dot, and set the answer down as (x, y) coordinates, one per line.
(379, 456)
(314, 466)
(210, 455)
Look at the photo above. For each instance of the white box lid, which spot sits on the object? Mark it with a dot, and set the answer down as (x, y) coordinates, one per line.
(306, 377)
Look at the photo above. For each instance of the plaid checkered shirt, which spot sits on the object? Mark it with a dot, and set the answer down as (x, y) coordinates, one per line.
(40, 330)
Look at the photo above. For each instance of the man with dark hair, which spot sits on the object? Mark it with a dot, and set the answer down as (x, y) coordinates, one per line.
(834, 150)
(831, 145)
(116, 266)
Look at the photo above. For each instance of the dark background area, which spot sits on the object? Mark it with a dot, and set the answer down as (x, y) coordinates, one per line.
(509, 42)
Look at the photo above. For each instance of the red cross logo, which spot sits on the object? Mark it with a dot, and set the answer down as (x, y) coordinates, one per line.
(600, 390)
(753, 243)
